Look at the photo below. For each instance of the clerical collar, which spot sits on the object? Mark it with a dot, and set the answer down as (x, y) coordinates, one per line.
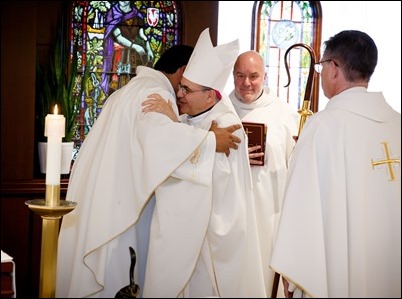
(240, 100)
(198, 114)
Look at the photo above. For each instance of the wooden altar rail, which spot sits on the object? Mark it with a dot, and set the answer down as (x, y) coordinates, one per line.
(34, 187)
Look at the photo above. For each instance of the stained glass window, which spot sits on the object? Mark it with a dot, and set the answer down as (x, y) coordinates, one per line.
(111, 38)
(279, 25)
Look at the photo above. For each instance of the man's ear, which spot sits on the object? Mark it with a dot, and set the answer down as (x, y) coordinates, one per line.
(212, 98)
(181, 70)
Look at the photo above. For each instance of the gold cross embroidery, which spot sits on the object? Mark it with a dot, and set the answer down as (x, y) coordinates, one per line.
(247, 131)
(388, 160)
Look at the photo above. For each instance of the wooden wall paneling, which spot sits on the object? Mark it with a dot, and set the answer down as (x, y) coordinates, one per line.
(18, 60)
(17, 239)
(198, 15)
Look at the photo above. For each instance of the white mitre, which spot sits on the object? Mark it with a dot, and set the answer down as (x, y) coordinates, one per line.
(211, 66)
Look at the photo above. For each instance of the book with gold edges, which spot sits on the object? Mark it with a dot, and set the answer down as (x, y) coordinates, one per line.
(256, 133)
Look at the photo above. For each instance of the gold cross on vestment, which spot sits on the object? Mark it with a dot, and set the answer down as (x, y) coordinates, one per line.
(388, 160)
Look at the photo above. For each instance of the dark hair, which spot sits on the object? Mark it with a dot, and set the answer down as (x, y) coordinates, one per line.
(355, 52)
(174, 58)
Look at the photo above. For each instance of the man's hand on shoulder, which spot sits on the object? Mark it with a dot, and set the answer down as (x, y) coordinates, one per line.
(155, 103)
(225, 140)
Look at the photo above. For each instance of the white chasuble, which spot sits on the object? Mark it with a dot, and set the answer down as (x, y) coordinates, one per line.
(340, 230)
(125, 157)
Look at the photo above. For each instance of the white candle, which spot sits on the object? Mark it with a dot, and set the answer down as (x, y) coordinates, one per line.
(54, 131)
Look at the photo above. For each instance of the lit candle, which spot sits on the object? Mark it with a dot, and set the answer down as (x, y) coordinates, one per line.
(54, 131)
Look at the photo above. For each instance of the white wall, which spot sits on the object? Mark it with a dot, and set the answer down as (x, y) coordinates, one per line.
(381, 20)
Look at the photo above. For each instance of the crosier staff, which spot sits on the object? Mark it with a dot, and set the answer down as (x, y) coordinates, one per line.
(304, 112)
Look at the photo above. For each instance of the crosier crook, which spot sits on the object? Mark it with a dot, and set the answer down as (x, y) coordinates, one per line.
(305, 110)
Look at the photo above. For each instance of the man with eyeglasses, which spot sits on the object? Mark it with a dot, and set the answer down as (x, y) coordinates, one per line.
(125, 160)
(220, 256)
(319, 65)
(340, 231)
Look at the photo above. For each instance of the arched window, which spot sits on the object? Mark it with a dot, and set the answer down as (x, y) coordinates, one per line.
(111, 38)
(277, 25)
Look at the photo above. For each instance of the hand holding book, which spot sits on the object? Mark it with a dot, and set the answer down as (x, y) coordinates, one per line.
(255, 155)
(256, 133)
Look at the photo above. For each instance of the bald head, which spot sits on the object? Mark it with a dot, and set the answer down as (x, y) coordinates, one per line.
(249, 75)
(250, 58)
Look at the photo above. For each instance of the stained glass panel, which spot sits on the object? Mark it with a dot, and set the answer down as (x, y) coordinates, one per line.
(112, 38)
(282, 24)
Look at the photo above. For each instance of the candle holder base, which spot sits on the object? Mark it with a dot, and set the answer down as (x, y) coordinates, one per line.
(39, 207)
(51, 216)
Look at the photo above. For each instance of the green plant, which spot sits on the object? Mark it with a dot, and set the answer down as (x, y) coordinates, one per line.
(59, 82)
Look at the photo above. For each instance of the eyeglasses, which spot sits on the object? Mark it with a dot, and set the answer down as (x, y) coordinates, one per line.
(185, 90)
(318, 66)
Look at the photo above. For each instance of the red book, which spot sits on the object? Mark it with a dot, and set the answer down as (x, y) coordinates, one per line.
(257, 133)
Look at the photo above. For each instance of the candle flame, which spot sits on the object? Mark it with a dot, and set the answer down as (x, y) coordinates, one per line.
(55, 110)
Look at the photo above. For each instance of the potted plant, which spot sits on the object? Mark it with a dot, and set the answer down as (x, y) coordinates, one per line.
(59, 83)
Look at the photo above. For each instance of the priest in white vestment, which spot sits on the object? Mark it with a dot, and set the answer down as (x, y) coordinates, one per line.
(340, 230)
(254, 103)
(126, 157)
(221, 257)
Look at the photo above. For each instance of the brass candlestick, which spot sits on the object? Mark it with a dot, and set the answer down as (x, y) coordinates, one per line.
(51, 210)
